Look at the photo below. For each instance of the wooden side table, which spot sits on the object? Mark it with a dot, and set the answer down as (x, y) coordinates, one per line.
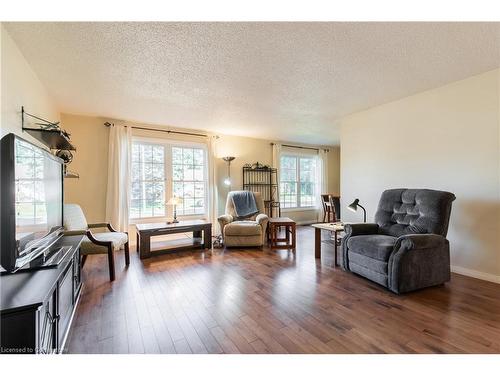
(273, 229)
(335, 229)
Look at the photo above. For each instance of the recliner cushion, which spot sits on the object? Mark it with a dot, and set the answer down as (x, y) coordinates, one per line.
(243, 228)
(412, 211)
(376, 246)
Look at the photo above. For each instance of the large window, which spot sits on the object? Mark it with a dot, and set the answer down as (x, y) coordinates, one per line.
(148, 180)
(188, 165)
(297, 181)
(161, 171)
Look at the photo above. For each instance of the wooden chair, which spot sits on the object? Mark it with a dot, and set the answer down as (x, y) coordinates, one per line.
(95, 243)
(331, 208)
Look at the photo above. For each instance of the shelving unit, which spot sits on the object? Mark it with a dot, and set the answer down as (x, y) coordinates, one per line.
(264, 180)
(50, 134)
(54, 139)
(47, 132)
(70, 174)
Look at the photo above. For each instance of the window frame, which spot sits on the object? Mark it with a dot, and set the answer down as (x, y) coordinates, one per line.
(164, 179)
(34, 201)
(168, 144)
(298, 156)
(193, 181)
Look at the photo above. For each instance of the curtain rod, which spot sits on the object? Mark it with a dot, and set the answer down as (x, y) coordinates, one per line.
(302, 147)
(108, 124)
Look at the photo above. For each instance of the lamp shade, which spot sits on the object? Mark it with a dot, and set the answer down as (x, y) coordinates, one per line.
(174, 201)
(354, 205)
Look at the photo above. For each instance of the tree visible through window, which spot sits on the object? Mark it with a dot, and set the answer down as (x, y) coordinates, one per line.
(148, 180)
(297, 181)
(30, 187)
(188, 166)
(160, 171)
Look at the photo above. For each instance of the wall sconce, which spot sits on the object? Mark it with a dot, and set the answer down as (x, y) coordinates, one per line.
(228, 160)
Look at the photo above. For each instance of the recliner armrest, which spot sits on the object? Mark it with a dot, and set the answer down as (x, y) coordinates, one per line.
(360, 229)
(418, 261)
(225, 219)
(262, 219)
(419, 241)
(352, 230)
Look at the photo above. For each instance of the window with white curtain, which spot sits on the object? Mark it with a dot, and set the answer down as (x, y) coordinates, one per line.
(298, 181)
(148, 180)
(161, 170)
(189, 179)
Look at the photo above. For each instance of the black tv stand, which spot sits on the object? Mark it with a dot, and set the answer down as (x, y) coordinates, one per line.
(50, 258)
(37, 304)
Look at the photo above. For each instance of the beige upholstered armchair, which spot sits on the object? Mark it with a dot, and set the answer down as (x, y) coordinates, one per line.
(242, 233)
(95, 243)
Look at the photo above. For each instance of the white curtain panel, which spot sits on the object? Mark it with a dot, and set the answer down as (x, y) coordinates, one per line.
(322, 178)
(276, 164)
(212, 183)
(118, 190)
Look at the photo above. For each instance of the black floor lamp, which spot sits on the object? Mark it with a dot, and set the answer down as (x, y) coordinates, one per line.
(354, 207)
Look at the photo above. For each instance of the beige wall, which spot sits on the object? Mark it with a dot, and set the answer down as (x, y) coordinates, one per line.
(90, 137)
(90, 161)
(446, 138)
(20, 87)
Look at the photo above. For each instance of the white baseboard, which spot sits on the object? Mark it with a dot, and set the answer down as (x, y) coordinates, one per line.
(476, 274)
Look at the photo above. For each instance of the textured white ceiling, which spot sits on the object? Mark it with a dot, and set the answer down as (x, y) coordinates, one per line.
(284, 81)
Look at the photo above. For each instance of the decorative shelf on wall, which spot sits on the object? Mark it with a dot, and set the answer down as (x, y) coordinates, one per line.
(70, 174)
(47, 132)
(54, 139)
(50, 134)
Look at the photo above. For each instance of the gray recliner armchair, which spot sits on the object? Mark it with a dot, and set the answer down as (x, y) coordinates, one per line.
(406, 248)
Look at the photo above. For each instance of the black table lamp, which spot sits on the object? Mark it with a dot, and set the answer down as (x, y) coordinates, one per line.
(354, 207)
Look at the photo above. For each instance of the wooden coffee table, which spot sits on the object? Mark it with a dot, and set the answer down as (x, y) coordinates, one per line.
(197, 227)
(335, 229)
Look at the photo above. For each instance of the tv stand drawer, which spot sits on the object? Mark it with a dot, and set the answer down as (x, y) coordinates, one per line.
(65, 303)
(47, 323)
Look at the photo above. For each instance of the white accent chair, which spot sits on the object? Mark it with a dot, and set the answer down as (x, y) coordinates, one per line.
(95, 243)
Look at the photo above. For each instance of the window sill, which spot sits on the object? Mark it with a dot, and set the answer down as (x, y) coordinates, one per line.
(296, 209)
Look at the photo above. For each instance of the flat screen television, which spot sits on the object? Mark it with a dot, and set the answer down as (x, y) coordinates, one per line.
(31, 198)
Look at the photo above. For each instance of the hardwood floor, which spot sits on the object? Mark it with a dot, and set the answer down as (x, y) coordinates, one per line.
(252, 301)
